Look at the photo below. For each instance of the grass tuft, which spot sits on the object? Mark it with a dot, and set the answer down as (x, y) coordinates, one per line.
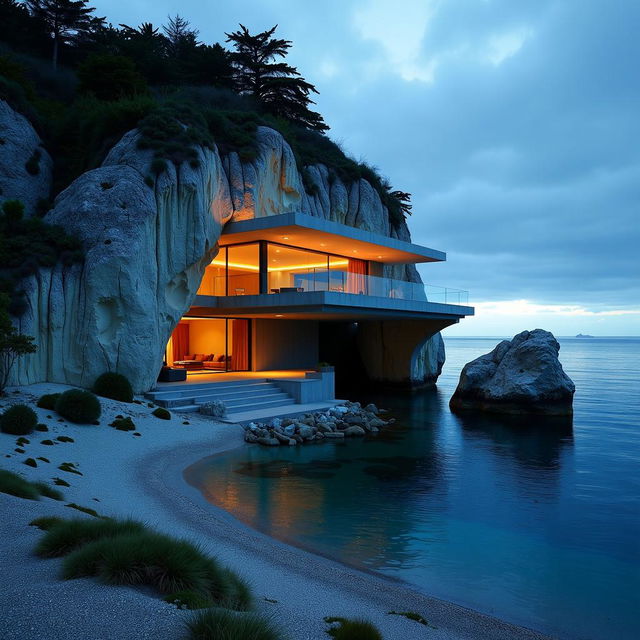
(65, 439)
(352, 629)
(123, 424)
(48, 492)
(45, 523)
(220, 624)
(60, 482)
(161, 413)
(189, 600)
(70, 535)
(16, 485)
(30, 462)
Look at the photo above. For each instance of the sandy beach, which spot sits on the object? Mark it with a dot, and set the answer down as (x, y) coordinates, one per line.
(142, 477)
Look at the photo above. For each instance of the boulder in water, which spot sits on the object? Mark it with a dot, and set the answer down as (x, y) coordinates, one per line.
(520, 376)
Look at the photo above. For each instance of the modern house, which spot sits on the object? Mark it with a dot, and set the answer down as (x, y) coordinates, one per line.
(291, 290)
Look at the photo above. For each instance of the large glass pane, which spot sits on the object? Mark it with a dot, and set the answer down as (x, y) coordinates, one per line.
(198, 345)
(292, 269)
(214, 279)
(338, 273)
(244, 270)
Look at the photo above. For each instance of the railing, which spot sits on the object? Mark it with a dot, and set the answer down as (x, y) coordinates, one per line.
(318, 279)
(347, 282)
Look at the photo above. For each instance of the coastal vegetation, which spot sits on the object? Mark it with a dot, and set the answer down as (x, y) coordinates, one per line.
(221, 624)
(18, 420)
(48, 401)
(127, 552)
(26, 246)
(115, 386)
(84, 82)
(16, 485)
(78, 406)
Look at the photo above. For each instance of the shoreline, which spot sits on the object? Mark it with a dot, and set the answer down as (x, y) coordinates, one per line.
(145, 480)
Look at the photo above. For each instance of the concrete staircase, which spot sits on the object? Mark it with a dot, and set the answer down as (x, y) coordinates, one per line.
(238, 396)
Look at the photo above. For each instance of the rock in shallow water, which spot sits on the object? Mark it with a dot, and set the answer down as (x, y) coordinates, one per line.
(520, 376)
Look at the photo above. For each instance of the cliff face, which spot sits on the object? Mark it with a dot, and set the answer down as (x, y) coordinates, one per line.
(147, 247)
(25, 166)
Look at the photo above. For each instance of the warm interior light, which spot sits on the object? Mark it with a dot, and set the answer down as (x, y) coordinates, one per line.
(279, 315)
(315, 265)
(285, 237)
(236, 265)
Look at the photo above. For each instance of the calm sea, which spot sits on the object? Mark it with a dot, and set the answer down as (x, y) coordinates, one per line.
(537, 523)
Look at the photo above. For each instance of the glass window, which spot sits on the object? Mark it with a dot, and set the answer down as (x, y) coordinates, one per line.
(244, 269)
(292, 269)
(214, 279)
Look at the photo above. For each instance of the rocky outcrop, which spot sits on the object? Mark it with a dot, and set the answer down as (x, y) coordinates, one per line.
(147, 241)
(519, 376)
(25, 166)
(146, 248)
(349, 420)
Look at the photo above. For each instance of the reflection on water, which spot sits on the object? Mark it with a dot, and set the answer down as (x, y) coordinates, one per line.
(530, 520)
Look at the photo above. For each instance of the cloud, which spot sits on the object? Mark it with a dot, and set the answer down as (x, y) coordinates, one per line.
(513, 124)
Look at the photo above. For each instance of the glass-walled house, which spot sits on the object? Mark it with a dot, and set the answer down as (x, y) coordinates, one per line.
(282, 288)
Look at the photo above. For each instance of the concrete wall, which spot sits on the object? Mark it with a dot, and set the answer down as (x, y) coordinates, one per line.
(284, 344)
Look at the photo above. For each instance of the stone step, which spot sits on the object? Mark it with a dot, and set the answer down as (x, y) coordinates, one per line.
(214, 388)
(256, 401)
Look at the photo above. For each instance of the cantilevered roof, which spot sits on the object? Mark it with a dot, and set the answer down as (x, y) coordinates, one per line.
(308, 232)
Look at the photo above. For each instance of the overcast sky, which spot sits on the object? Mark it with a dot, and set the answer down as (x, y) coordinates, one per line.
(514, 123)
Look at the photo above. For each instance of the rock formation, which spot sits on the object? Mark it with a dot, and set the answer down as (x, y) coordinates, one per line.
(520, 376)
(147, 241)
(25, 166)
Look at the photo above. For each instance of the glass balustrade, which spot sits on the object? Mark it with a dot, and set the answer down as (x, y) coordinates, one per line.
(359, 284)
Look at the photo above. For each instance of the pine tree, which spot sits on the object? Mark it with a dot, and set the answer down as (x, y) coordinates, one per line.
(277, 86)
(64, 19)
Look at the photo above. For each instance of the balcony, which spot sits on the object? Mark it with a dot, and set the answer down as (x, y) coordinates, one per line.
(354, 283)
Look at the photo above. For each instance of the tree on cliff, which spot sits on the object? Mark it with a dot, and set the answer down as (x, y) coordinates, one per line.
(12, 344)
(64, 19)
(276, 85)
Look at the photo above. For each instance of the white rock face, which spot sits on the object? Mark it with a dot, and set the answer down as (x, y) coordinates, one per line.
(18, 143)
(520, 376)
(146, 249)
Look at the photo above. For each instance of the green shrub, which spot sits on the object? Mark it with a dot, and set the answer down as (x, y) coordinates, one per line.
(81, 407)
(352, 629)
(48, 401)
(123, 424)
(114, 386)
(16, 485)
(18, 420)
(68, 535)
(161, 413)
(220, 624)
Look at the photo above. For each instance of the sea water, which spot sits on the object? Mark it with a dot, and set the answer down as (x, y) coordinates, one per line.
(536, 522)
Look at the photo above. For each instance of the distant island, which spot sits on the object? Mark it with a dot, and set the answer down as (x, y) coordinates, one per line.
(584, 335)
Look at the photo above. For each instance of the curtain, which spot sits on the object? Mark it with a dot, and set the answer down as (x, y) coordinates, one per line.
(180, 340)
(357, 281)
(240, 345)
